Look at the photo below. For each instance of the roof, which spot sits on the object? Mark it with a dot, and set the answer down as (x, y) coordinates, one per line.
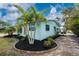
(58, 24)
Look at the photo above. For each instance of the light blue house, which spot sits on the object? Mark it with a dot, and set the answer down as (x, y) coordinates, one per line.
(45, 29)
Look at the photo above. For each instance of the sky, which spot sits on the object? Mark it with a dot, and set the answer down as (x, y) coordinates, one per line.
(10, 13)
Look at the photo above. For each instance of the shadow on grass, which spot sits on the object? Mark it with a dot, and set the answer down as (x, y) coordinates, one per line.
(14, 36)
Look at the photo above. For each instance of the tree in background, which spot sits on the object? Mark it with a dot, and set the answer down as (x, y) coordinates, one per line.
(3, 26)
(72, 20)
(10, 30)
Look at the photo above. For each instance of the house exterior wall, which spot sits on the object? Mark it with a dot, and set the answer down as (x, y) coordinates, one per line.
(41, 32)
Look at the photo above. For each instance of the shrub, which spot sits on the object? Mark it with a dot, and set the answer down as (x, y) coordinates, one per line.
(47, 44)
(75, 29)
(73, 23)
(51, 40)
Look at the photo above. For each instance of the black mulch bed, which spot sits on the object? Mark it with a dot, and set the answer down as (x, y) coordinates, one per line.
(37, 46)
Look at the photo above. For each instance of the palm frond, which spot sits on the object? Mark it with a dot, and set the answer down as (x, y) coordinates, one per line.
(45, 11)
(20, 9)
(33, 10)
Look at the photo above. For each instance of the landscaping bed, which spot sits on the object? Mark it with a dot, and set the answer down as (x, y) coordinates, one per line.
(37, 46)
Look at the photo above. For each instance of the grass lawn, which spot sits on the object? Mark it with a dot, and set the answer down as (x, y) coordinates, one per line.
(6, 45)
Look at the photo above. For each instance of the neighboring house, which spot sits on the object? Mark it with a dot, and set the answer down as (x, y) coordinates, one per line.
(45, 29)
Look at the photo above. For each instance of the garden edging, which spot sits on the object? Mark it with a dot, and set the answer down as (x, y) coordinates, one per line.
(35, 52)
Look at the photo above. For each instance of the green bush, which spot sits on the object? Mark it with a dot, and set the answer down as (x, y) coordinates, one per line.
(73, 23)
(75, 29)
(51, 40)
(48, 43)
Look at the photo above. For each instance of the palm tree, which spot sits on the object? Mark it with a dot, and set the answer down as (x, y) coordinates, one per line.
(10, 30)
(36, 18)
(4, 23)
(31, 17)
(24, 18)
(3, 26)
(72, 21)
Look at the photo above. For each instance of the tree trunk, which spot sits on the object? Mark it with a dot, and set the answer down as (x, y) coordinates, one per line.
(28, 34)
(30, 39)
(35, 31)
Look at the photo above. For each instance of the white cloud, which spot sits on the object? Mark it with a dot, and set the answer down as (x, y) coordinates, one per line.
(53, 13)
(13, 12)
(53, 10)
(26, 5)
(3, 5)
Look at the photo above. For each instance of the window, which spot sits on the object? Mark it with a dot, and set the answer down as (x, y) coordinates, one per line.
(31, 27)
(47, 27)
(54, 28)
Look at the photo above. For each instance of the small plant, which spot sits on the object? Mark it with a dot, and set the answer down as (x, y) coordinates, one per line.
(51, 40)
(47, 44)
